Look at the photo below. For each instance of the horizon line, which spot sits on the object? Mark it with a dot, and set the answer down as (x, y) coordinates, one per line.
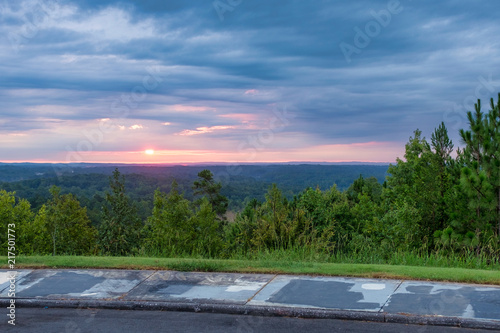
(199, 163)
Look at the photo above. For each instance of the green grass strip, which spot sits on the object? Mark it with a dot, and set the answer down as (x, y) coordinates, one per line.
(263, 266)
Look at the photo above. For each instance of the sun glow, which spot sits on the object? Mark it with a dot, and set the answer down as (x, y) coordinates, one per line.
(149, 151)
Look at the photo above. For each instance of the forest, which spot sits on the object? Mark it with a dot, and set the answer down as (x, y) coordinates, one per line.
(89, 182)
(436, 203)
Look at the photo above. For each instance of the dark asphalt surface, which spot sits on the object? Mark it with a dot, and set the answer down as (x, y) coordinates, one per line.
(120, 321)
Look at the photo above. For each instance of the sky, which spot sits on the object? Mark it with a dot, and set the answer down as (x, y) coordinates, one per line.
(239, 81)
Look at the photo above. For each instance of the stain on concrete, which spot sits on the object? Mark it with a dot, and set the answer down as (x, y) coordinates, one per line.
(7, 276)
(450, 300)
(199, 287)
(59, 284)
(324, 294)
(170, 287)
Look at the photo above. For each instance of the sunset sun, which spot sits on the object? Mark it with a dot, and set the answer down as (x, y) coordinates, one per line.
(149, 151)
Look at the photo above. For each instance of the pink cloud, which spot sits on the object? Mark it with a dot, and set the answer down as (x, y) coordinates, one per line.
(251, 92)
(204, 129)
(365, 151)
(189, 108)
(242, 117)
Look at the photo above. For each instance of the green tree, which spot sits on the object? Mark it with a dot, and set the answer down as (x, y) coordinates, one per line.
(480, 176)
(366, 215)
(369, 186)
(174, 229)
(239, 235)
(419, 185)
(443, 167)
(18, 217)
(119, 232)
(272, 227)
(207, 231)
(65, 226)
(167, 228)
(206, 185)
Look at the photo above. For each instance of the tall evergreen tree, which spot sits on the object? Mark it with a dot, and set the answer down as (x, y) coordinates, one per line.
(480, 176)
(206, 185)
(119, 232)
(443, 165)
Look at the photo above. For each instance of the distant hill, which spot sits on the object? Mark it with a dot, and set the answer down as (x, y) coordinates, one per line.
(309, 173)
(89, 182)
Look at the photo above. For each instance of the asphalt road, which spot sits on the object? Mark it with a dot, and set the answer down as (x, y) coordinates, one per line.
(42, 320)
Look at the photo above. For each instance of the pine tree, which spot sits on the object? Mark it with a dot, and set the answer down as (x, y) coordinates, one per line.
(119, 232)
(480, 176)
(443, 164)
(206, 185)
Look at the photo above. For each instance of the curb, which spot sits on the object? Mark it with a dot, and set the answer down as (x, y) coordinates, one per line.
(253, 310)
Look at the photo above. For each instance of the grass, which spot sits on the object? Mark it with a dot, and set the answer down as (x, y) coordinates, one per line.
(478, 276)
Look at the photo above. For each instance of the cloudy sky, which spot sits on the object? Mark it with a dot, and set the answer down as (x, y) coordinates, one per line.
(176, 81)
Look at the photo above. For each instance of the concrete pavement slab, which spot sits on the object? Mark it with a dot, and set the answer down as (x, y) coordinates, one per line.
(326, 292)
(77, 284)
(432, 303)
(5, 278)
(446, 299)
(200, 287)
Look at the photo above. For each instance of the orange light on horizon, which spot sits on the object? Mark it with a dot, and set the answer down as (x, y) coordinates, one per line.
(381, 152)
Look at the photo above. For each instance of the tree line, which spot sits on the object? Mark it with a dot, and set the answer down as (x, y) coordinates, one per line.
(434, 200)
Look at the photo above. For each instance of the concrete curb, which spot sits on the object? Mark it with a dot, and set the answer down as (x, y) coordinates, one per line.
(253, 310)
